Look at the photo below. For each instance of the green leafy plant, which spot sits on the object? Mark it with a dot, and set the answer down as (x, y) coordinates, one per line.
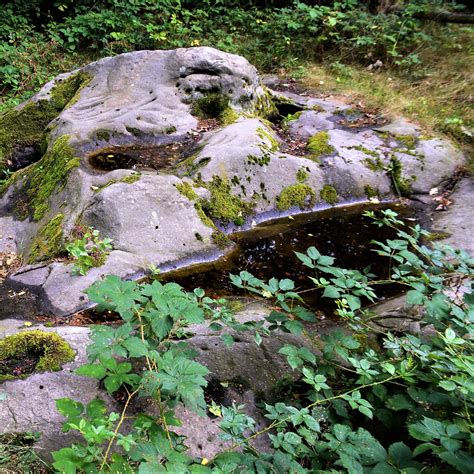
(375, 400)
(153, 315)
(88, 251)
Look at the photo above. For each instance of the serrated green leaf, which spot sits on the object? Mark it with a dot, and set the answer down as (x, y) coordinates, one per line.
(400, 454)
(135, 346)
(96, 371)
(69, 408)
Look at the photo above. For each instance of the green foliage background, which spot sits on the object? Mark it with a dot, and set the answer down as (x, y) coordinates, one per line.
(374, 401)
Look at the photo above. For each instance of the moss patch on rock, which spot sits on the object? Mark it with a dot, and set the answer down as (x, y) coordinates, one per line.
(187, 191)
(366, 151)
(223, 205)
(271, 143)
(374, 164)
(67, 91)
(370, 192)
(402, 185)
(129, 179)
(290, 118)
(50, 350)
(228, 116)
(318, 145)
(26, 126)
(407, 141)
(220, 239)
(48, 243)
(48, 175)
(329, 194)
(300, 194)
(214, 105)
(302, 175)
(210, 105)
(263, 106)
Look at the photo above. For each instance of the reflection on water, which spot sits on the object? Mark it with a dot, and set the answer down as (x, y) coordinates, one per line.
(347, 238)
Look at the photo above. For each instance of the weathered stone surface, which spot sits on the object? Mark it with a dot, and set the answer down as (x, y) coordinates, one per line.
(429, 164)
(400, 126)
(136, 113)
(29, 404)
(164, 228)
(249, 373)
(8, 231)
(148, 91)
(311, 122)
(458, 220)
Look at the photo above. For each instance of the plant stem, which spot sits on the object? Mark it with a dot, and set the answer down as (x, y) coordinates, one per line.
(317, 402)
(119, 424)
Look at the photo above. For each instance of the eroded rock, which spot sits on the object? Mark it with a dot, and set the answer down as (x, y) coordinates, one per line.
(244, 373)
(165, 152)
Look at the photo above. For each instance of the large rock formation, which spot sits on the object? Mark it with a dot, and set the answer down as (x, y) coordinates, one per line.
(165, 152)
(243, 373)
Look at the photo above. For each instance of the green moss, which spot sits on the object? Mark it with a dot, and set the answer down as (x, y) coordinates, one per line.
(53, 351)
(48, 243)
(301, 195)
(263, 160)
(318, 145)
(26, 127)
(374, 164)
(263, 106)
(129, 179)
(408, 141)
(302, 175)
(401, 184)
(370, 192)
(136, 132)
(203, 216)
(103, 134)
(190, 164)
(290, 118)
(210, 106)
(169, 129)
(271, 143)
(433, 236)
(214, 105)
(366, 151)
(49, 175)
(223, 205)
(329, 194)
(220, 239)
(67, 91)
(228, 116)
(187, 190)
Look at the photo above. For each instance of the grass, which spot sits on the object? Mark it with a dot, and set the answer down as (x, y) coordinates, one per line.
(440, 100)
(18, 455)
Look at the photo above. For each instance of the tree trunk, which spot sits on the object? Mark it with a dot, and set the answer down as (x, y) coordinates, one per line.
(446, 17)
